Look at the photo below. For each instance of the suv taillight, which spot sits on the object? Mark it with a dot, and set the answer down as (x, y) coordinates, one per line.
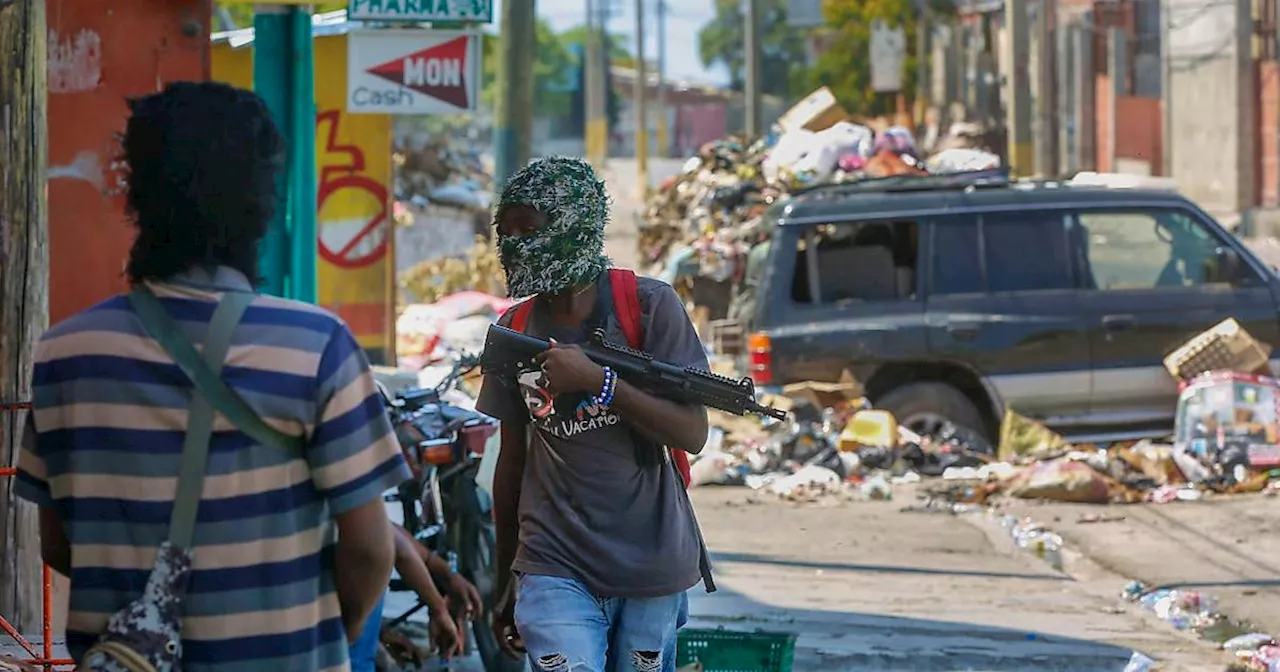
(760, 358)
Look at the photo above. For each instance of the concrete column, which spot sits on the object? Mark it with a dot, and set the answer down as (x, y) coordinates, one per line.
(1017, 87)
(1085, 102)
(1210, 94)
(1068, 86)
(1045, 103)
(1118, 73)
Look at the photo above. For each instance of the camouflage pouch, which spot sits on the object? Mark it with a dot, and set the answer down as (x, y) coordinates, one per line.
(146, 636)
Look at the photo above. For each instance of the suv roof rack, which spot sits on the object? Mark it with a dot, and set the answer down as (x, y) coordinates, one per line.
(1122, 181)
(975, 179)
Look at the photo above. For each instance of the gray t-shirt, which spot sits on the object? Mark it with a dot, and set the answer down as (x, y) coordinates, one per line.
(589, 509)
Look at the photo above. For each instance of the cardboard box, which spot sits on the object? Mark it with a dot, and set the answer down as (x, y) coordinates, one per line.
(818, 111)
(827, 395)
(1225, 347)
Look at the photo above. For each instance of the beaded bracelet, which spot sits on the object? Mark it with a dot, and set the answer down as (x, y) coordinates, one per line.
(606, 390)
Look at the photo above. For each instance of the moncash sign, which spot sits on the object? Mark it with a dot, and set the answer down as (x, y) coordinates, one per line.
(412, 71)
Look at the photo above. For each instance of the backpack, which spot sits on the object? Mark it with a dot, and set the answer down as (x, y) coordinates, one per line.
(626, 307)
(146, 635)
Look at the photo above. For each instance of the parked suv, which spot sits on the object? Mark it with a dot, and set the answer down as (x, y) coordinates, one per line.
(955, 297)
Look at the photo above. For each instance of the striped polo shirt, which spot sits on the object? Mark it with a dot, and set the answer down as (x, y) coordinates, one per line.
(105, 440)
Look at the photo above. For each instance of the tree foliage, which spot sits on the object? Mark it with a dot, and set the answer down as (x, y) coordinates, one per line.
(846, 65)
(615, 43)
(552, 71)
(722, 41)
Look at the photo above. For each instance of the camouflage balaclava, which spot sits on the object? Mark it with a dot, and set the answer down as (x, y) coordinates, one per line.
(568, 249)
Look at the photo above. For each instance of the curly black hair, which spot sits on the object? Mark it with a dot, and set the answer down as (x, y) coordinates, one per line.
(202, 161)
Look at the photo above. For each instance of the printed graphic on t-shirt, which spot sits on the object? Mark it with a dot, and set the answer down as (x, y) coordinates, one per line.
(586, 416)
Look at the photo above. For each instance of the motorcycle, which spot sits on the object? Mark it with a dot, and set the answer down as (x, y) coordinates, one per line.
(445, 505)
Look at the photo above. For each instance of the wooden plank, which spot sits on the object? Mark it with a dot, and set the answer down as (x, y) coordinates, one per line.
(23, 284)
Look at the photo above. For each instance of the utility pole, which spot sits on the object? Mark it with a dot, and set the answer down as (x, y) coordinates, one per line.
(640, 105)
(664, 133)
(1045, 90)
(596, 98)
(24, 277)
(1018, 86)
(923, 49)
(513, 142)
(753, 67)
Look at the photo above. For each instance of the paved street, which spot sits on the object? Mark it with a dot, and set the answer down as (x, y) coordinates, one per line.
(869, 587)
(624, 187)
(1227, 546)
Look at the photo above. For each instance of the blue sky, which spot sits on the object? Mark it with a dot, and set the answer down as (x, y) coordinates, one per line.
(684, 18)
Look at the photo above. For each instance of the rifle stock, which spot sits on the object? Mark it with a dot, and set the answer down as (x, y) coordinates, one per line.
(507, 353)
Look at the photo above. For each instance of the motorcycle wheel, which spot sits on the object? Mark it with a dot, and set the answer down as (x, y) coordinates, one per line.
(479, 552)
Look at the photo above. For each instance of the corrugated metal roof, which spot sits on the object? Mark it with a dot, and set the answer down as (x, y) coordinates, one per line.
(327, 23)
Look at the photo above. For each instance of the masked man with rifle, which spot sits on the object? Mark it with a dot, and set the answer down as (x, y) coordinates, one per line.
(597, 541)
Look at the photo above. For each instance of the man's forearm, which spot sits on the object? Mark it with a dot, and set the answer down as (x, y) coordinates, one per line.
(437, 565)
(506, 521)
(661, 420)
(361, 576)
(412, 567)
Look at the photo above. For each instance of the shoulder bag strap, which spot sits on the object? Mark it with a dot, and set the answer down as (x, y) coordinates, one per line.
(211, 393)
(226, 401)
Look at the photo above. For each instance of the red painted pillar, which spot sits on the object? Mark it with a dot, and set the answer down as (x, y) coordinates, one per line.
(100, 54)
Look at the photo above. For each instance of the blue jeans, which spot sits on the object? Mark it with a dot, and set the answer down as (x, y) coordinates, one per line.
(567, 628)
(364, 651)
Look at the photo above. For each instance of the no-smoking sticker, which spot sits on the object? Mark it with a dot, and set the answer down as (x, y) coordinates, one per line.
(354, 242)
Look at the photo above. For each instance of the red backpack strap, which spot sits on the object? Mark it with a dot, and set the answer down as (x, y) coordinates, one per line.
(520, 315)
(626, 304)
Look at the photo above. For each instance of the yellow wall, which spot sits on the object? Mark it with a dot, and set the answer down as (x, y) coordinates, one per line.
(353, 156)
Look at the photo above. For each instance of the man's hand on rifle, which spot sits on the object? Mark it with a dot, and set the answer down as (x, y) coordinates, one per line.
(568, 369)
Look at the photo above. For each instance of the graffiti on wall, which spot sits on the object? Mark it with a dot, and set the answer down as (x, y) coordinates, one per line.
(75, 62)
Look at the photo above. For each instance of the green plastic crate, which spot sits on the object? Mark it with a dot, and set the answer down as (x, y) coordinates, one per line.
(723, 650)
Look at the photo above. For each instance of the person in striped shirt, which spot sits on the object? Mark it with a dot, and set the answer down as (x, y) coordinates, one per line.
(292, 551)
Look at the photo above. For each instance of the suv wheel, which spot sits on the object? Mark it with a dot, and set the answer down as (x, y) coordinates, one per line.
(925, 407)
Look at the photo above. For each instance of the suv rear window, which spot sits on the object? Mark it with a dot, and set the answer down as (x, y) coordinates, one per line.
(856, 261)
(1027, 251)
(957, 257)
(1000, 252)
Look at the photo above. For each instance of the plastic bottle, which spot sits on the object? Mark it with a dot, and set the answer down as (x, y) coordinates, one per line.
(1139, 662)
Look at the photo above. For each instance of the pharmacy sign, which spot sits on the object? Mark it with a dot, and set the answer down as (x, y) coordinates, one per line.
(413, 11)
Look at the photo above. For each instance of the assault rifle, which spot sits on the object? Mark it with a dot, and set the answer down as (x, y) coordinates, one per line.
(508, 353)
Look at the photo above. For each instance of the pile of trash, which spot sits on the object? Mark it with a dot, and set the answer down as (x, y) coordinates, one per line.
(435, 172)
(703, 222)
(478, 270)
(1195, 611)
(1226, 441)
(442, 202)
(1226, 437)
(426, 332)
(833, 443)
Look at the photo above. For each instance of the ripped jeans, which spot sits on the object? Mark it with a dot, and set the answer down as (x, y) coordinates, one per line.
(567, 628)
